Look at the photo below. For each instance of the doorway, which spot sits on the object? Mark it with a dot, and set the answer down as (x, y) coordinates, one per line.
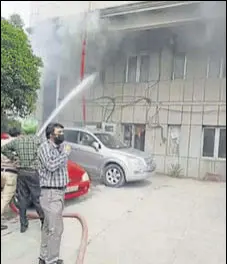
(134, 135)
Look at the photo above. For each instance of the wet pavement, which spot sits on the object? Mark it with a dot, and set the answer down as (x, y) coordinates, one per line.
(166, 221)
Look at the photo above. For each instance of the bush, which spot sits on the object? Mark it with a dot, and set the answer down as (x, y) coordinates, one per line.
(175, 170)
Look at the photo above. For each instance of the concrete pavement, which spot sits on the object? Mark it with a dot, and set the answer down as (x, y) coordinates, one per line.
(171, 221)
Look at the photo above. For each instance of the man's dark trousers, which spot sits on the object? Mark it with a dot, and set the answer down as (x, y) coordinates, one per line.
(28, 189)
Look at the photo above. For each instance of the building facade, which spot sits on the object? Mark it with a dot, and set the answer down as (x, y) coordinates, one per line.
(42, 10)
(165, 87)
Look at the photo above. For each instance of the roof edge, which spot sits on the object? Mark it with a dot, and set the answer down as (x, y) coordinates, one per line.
(143, 6)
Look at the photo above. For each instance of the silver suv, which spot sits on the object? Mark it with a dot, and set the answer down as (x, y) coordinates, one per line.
(103, 155)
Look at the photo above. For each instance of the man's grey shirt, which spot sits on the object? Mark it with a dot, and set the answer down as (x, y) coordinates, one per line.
(52, 165)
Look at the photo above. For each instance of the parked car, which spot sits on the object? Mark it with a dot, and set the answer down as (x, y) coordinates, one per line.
(79, 182)
(102, 154)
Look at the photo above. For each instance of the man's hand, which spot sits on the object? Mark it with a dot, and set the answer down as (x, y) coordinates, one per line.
(67, 149)
(16, 164)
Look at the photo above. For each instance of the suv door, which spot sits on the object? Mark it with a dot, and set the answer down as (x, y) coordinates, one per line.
(82, 151)
(89, 158)
(71, 136)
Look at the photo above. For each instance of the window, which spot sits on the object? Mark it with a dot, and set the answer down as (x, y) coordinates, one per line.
(214, 142)
(144, 68)
(127, 137)
(208, 142)
(132, 69)
(222, 144)
(214, 67)
(134, 135)
(139, 137)
(110, 141)
(71, 136)
(223, 68)
(137, 69)
(85, 139)
(174, 139)
(179, 66)
(102, 76)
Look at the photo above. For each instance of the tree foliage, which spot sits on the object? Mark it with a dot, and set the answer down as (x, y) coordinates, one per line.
(20, 75)
(16, 20)
(9, 122)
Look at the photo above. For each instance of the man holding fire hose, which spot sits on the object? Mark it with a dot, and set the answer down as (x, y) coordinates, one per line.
(42, 165)
(53, 157)
(25, 149)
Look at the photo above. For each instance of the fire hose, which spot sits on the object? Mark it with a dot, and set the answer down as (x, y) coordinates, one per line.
(84, 237)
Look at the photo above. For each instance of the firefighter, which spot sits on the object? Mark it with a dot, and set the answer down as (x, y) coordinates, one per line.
(25, 148)
(8, 173)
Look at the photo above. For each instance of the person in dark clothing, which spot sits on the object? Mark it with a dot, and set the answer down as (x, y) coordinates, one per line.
(14, 132)
(25, 149)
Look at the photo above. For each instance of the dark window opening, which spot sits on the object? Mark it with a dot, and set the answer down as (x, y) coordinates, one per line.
(208, 142)
(132, 67)
(179, 66)
(222, 143)
(144, 68)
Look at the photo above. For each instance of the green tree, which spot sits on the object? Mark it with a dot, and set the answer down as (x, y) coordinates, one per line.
(20, 70)
(9, 122)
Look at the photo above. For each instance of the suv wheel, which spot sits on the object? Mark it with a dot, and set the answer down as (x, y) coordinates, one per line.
(113, 176)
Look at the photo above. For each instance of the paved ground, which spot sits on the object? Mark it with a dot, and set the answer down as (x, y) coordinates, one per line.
(171, 221)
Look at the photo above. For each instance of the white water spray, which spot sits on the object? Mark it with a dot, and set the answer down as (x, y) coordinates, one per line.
(85, 84)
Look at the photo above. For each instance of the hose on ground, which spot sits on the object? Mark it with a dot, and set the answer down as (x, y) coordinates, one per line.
(84, 237)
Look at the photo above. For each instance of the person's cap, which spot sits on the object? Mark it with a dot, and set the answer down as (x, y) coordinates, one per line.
(29, 126)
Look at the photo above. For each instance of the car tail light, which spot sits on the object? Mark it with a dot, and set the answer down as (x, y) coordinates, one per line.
(85, 177)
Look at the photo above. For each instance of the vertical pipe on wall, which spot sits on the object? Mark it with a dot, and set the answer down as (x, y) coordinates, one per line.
(58, 83)
(82, 62)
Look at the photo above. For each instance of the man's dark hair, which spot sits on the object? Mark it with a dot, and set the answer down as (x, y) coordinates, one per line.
(14, 132)
(50, 128)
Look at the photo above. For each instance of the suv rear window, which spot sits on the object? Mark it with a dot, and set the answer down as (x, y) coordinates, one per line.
(71, 136)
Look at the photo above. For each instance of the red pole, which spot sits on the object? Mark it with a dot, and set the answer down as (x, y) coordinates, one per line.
(82, 68)
(82, 65)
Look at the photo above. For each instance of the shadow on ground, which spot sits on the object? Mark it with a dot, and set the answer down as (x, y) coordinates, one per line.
(138, 184)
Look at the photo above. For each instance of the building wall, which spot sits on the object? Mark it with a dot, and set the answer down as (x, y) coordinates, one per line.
(42, 10)
(182, 105)
(192, 104)
(107, 4)
(189, 104)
